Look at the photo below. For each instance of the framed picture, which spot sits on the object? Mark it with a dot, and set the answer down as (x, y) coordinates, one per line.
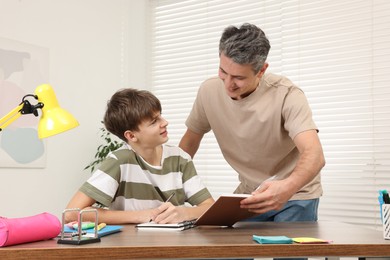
(23, 67)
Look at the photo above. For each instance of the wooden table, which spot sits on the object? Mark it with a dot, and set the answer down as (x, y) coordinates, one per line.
(213, 242)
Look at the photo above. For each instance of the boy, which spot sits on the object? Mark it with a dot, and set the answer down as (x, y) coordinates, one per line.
(135, 181)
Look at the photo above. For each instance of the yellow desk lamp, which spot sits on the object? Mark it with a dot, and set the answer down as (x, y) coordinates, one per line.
(54, 119)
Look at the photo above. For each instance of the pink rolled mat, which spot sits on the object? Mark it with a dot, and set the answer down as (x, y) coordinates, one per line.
(28, 229)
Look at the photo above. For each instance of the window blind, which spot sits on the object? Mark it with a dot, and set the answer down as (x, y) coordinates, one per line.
(336, 51)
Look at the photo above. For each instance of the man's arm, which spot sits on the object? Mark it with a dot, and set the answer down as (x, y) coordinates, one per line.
(190, 142)
(273, 195)
(311, 160)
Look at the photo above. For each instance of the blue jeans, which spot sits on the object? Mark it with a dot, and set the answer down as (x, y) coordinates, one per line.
(294, 210)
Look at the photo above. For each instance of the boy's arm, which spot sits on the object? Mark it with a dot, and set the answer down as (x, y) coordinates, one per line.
(80, 201)
(113, 217)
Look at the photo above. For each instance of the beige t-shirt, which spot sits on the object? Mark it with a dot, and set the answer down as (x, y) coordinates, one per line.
(255, 134)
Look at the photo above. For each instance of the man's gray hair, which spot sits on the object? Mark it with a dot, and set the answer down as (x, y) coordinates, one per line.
(245, 45)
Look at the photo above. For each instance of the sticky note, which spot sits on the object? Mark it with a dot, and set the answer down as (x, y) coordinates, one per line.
(272, 239)
(310, 240)
(85, 225)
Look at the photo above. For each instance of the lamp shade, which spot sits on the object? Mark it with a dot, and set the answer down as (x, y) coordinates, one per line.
(54, 119)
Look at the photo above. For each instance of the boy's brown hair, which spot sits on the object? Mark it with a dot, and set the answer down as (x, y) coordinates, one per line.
(128, 108)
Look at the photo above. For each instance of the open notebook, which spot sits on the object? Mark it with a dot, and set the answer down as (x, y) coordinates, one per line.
(225, 211)
(166, 227)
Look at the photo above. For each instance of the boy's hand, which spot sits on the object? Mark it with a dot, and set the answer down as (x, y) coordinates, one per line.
(168, 213)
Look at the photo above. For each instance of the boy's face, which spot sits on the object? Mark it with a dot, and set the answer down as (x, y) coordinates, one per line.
(152, 132)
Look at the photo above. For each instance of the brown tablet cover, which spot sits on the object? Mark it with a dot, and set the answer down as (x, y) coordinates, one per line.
(225, 211)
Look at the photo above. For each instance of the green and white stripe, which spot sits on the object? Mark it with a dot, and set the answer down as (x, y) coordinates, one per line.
(124, 181)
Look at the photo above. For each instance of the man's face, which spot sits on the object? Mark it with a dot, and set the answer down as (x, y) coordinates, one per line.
(239, 79)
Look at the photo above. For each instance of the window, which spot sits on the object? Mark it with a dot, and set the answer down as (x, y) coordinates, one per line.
(336, 51)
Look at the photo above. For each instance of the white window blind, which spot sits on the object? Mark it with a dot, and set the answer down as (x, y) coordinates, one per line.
(336, 51)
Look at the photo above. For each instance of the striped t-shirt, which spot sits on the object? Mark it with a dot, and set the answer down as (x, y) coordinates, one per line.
(124, 181)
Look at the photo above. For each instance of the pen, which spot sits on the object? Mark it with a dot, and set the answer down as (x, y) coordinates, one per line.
(386, 198)
(269, 179)
(73, 234)
(170, 197)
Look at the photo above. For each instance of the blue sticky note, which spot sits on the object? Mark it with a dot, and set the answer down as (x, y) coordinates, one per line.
(108, 230)
(272, 239)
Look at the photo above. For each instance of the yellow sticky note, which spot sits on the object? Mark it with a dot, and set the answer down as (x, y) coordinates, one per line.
(310, 240)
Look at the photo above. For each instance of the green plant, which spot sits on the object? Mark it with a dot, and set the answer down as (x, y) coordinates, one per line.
(104, 149)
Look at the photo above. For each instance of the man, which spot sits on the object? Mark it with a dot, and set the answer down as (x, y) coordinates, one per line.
(263, 125)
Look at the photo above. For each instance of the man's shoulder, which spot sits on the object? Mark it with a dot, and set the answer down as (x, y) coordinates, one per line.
(211, 87)
(275, 80)
(211, 82)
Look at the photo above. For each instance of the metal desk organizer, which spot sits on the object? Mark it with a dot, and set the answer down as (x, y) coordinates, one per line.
(79, 239)
(386, 221)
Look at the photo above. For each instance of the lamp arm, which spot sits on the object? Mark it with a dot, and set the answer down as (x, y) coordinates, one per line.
(23, 108)
(11, 116)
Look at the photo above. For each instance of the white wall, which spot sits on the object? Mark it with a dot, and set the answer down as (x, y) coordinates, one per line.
(96, 47)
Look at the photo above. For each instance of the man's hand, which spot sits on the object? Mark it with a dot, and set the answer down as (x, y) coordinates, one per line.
(271, 195)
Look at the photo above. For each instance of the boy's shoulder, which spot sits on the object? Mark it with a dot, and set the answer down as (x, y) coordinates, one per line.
(122, 153)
